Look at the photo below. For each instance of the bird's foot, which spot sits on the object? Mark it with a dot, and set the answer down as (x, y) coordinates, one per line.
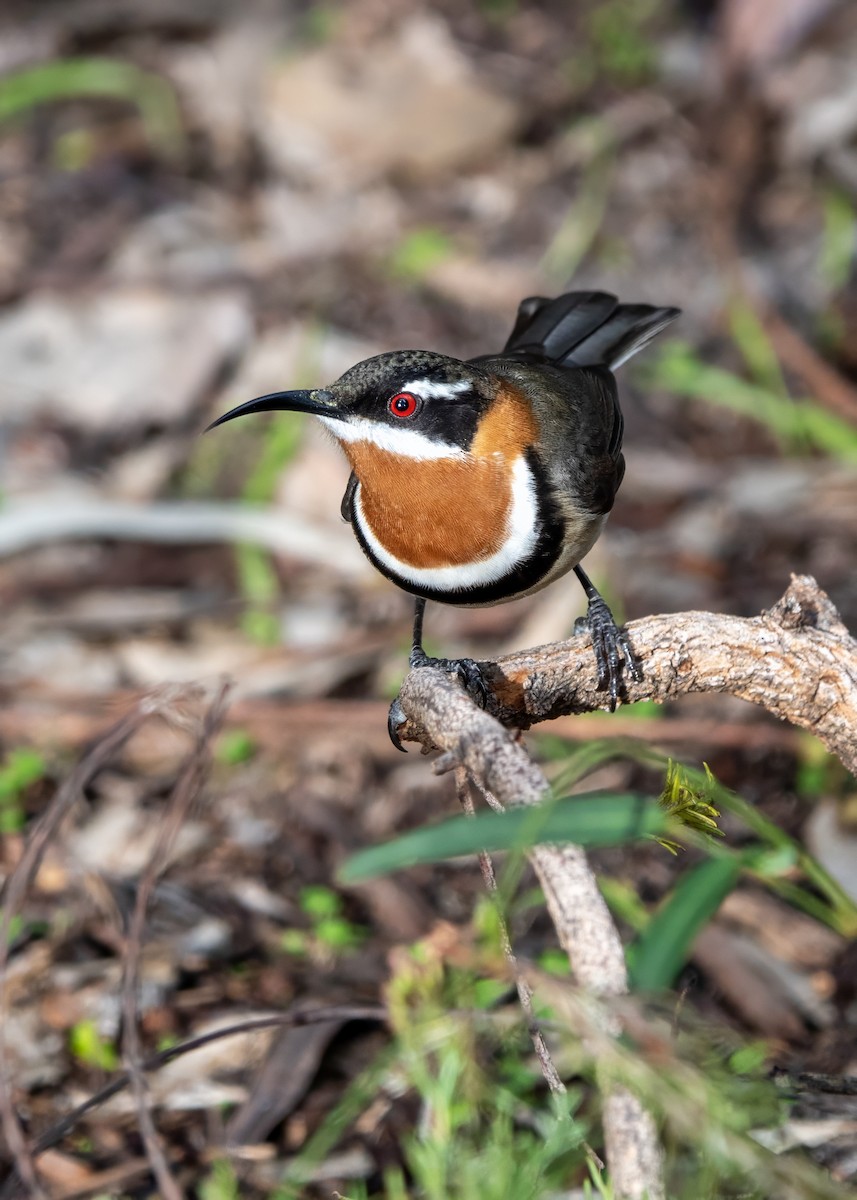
(611, 645)
(468, 671)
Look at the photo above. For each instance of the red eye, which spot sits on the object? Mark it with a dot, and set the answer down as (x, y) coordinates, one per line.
(403, 405)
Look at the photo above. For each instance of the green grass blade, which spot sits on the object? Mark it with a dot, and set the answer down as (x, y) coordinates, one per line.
(590, 819)
(658, 955)
(795, 423)
(576, 761)
(76, 78)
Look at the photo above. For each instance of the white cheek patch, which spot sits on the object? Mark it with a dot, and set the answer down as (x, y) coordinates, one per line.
(430, 390)
(408, 443)
(522, 532)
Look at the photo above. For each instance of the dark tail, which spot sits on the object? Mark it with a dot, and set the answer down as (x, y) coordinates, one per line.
(585, 329)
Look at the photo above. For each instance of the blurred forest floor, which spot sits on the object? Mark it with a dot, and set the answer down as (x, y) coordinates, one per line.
(201, 202)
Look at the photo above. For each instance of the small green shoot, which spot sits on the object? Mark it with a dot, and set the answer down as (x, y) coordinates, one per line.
(620, 41)
(339, 935)
(234, 747)
(295, 942)
(839, 244)
(319, 902)
(616, 46)
(331, 933)
(775, 860)
(749, 1059)
(597, 1180)
(221, 1183)
(22, 769)
(16, 926)
(818, 772)
(89, 1047)
(418, 253)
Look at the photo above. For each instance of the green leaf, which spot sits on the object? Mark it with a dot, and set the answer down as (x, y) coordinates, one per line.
(590, 819)
(318, 901)
(660, 952)
(21, 769)
(88, 1045)
(234, 747)
(577, 760)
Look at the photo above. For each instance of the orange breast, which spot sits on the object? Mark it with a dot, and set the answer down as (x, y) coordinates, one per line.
(445, 512)
(440, 513)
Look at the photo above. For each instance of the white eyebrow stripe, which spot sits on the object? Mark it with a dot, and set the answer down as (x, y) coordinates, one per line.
(523, 528)
(408, 443)
(430, 390)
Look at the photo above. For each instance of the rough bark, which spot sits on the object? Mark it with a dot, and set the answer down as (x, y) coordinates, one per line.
(797, 660)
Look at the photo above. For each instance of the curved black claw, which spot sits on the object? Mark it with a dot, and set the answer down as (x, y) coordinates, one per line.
(467, 670)
(611, 645)
(395, 718)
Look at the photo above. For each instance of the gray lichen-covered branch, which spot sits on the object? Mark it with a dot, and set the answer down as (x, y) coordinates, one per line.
(797, 660)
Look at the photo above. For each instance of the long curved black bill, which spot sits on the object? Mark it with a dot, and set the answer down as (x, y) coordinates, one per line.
(318, 403)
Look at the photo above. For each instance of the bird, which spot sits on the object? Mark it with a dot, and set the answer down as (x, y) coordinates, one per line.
(481, 481)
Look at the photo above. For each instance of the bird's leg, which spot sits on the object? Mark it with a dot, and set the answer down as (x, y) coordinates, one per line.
(607, 640)
(467, 670)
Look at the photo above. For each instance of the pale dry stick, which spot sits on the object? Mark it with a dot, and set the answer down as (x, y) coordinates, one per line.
(16, 887)
(525, 992)
(185, 791)
(26, 524)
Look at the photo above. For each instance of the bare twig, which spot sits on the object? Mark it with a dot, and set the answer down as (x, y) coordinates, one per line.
(183, 795)
(37, 843)
(11, 1189)
(525, 992)
(24, 525)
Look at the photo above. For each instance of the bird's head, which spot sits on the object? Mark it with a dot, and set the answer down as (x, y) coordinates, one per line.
(411, 403)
